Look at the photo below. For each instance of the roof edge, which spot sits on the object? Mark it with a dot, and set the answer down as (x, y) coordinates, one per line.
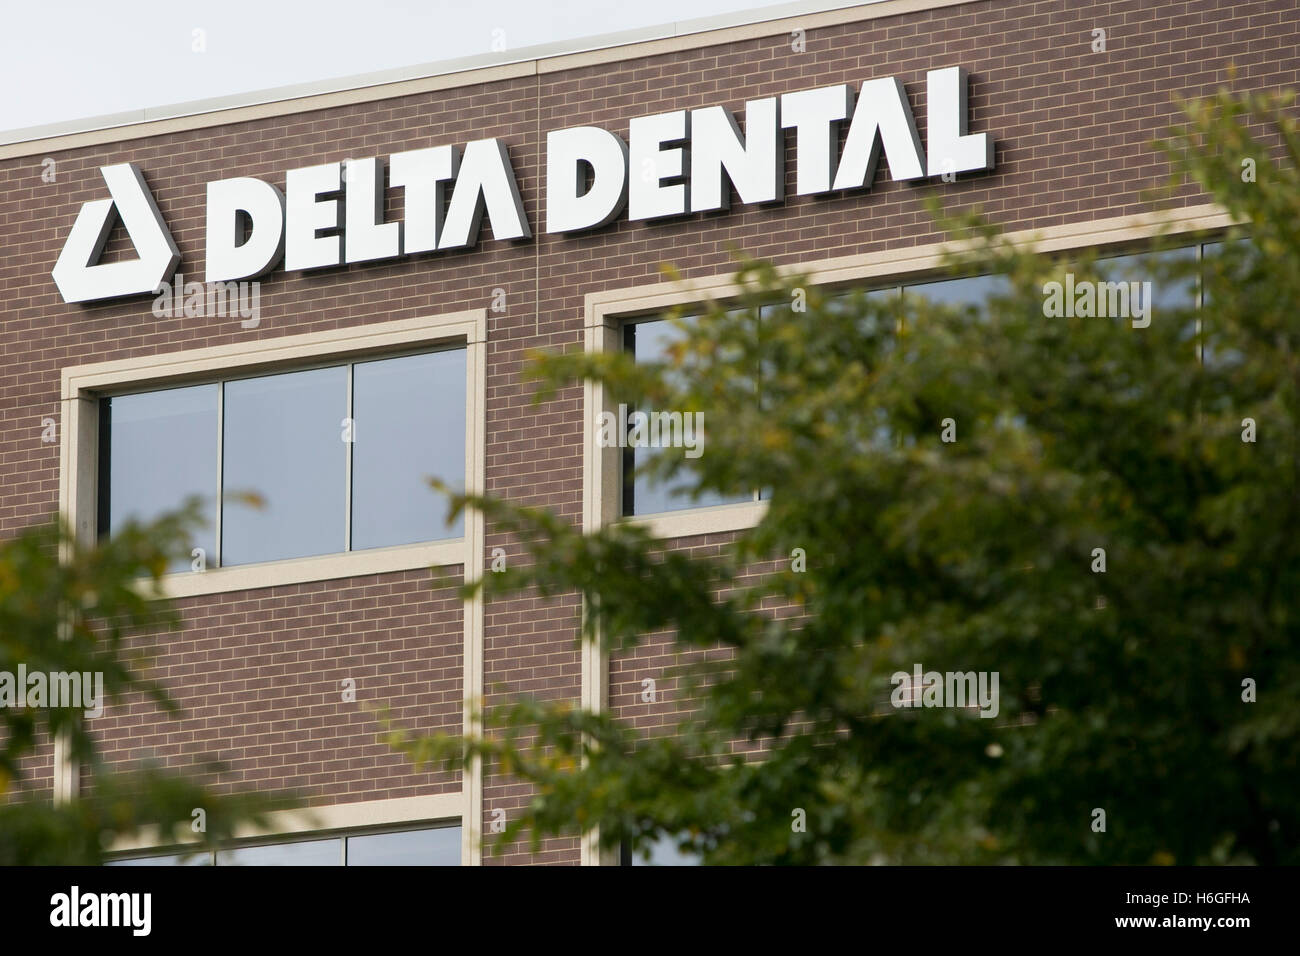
(448, 74)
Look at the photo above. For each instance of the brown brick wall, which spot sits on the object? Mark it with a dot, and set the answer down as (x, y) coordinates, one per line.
(1072, 129)
(657, 657)
(258, 678)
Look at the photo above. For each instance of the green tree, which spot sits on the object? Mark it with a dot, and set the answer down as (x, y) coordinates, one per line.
(1122, 691)
(67, 607)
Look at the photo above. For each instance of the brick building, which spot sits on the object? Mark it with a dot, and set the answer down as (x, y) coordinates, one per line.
(331, 583)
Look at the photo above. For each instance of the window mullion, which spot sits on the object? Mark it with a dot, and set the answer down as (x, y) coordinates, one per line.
(221, 442)
(1200, 304)
(347, 469)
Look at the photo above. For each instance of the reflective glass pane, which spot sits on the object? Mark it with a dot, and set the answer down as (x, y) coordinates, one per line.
(284, 442)
(1166, 291)
(157, 449)
(1226, 266)
(960, 293)
(650, 342)
(303, 853)
(881, 296)
(866, 306)
(409, 418)
(1234, 257)
(433, 847)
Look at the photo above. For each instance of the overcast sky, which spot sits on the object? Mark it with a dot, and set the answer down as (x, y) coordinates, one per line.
(64, 60)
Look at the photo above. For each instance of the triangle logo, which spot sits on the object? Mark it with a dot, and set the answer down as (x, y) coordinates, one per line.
(79, 274)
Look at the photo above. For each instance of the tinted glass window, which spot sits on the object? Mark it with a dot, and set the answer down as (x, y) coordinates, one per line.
(1225, 265)
(304, 853)
(280, 451)
(156, 450)
(1167, 291)
(409, 416)
(433, 847)
(650, 342)
(960, 293)
(284, 442)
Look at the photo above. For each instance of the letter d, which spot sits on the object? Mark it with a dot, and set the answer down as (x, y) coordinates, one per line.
(569, 204)
(231, 254)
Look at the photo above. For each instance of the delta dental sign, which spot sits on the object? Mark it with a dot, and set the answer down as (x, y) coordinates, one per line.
(672, 164)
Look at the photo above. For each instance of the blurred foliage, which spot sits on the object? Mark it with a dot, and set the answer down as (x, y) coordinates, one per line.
(1120, 690)
(67, 607)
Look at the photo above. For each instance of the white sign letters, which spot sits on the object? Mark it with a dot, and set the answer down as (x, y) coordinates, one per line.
(672, 164)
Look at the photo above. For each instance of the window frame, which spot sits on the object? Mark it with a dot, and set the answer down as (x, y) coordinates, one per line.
(222, 380)
(627, 458)
(83, 386)
(911, 268)
(351, 824)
